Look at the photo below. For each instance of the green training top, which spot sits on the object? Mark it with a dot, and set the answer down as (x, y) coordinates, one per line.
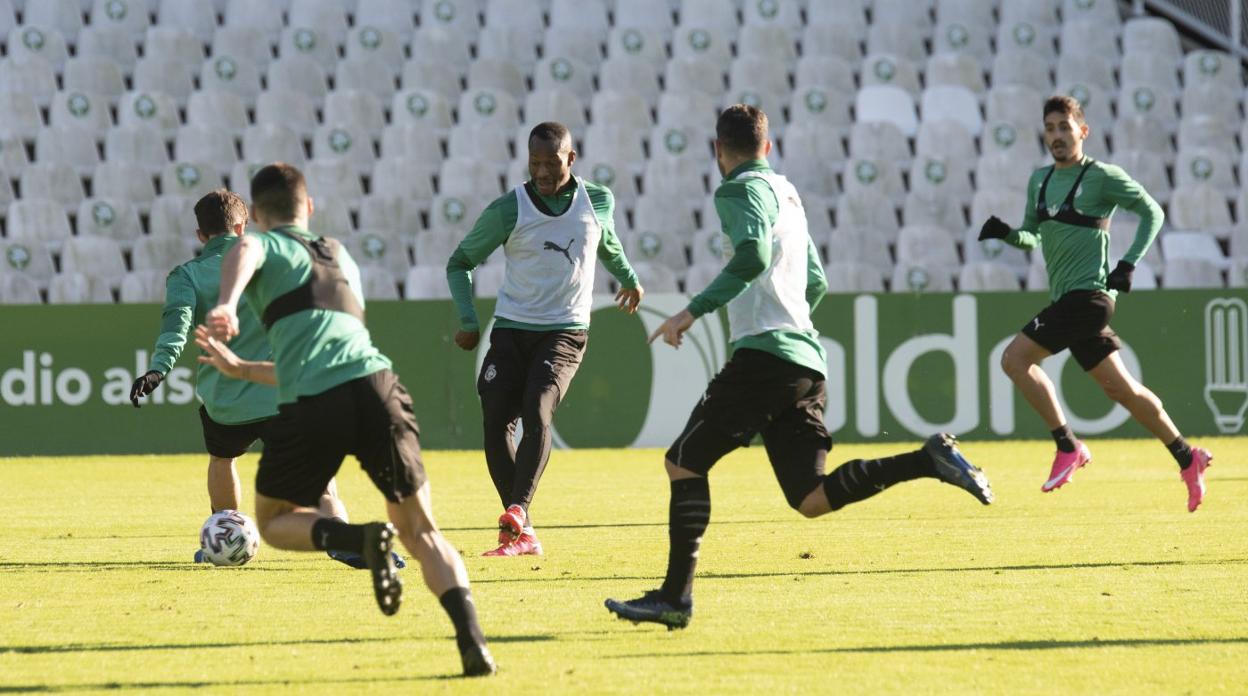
(190, 291)
(494, 227)
(1077, 258)
(316, 349)
(748, 210)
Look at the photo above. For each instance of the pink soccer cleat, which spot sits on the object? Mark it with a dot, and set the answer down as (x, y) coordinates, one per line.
(1065, 464)
(1194, 477)
(524, 545)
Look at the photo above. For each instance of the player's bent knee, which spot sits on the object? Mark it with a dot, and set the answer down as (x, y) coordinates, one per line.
(809, 503)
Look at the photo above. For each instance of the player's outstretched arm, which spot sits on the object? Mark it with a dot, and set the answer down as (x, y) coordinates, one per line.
(237, 268)
(228, 363)
(673, 330)
(176, 321)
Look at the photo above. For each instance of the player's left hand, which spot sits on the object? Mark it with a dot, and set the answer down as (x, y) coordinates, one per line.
(217, 353)
(1120, 278)
(145, 385)
(222, 322)
(627, 299)
(674, 328)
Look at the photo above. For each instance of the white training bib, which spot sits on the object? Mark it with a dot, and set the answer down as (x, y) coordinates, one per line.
(776, 299)
(549, 278)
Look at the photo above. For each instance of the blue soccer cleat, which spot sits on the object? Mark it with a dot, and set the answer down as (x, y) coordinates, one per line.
(954, 469)
(200, 557)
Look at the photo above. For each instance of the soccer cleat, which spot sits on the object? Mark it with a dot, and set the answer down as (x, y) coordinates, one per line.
(654, 608)
(512, 521)
(200, 557)
(1065, 464)
(954, 469)
(355, 560)
(378, 540)
(524, 545)
(1194, 477)
(478, 662)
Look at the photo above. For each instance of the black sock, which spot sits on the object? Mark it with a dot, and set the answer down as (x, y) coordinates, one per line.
(1181, 451)
(1064, 437)
(333, 533)
(859, 479)
(688, 515)
(458, 604)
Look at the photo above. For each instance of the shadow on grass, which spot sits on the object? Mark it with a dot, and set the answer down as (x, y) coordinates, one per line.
(234, 685)
(887, 571)
(609, 525)
(962, 647)
(97, 566)
(113, 647)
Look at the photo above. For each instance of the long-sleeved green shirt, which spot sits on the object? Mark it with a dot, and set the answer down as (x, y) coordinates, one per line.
(1077, 258)
(748, 210)
(190, 291)
(495, 225)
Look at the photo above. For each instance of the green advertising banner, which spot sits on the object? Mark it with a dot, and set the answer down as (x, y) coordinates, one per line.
(900, 366)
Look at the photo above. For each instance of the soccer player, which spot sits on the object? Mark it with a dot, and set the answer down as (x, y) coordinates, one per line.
(234, 412)
(551, 228)
(336, 396)
(1069, 205)
(773, 385)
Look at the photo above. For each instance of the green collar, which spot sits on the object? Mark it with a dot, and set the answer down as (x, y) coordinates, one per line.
(754, 165)
(301, 231)
(217, 244)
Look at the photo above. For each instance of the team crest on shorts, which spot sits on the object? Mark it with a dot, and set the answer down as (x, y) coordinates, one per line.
(490, 372)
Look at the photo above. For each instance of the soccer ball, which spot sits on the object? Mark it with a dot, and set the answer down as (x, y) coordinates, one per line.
(229, 538)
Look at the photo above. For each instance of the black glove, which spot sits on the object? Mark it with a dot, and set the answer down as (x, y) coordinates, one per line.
(145, 385)
(1120, 278)
(995, 228)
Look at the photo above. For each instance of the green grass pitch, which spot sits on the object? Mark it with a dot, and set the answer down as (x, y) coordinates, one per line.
(1105, 586)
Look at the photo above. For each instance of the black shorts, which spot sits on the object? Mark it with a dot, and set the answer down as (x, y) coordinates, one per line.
(759, 393)
(230, 441)
(520, 361)
(1079, 320)
(370, 417)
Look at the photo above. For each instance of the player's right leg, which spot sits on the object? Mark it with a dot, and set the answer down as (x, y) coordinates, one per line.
(1047, 333)
(444, 574)
(388, 448)
(798, 443)
(224, 489)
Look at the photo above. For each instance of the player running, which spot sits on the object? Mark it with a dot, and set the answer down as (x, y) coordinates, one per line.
(551, 228)
(336, 396)
(773, 385)
(234, 412)
(1069, 205)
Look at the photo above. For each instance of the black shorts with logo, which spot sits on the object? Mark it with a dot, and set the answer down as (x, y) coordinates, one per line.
(1078, 320)
(230, 441)
(521, 361)
(759, 393)
(370, 417)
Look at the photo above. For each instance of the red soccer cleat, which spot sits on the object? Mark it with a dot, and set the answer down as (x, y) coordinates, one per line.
(512, 522)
